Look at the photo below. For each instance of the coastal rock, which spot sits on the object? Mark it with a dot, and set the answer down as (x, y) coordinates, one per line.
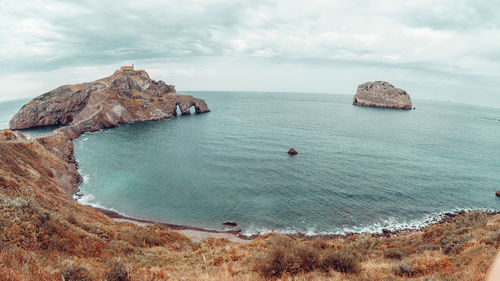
(59, 144)
(230, 223)
(8, 135)
(292, 151)
(124, 97)
(498, 193)
(382, 94)
(30, 163)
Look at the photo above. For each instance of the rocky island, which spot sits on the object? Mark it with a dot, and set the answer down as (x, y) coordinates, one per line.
(382, 94)
(124, 97)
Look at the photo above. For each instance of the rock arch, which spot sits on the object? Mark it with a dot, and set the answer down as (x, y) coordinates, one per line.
(185, 105)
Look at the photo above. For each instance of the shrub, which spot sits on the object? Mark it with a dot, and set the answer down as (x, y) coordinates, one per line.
(394, 254)
(308, 257)
(116, 271)
(275, 263)
(406, 270)
(432, 232)
(453, 244)
(344, 262)
(72, 219)
(77, 273)
(493, 237)
(474, 219)
(320, 244)
(456, 233)
(288, 256)
(364, 244)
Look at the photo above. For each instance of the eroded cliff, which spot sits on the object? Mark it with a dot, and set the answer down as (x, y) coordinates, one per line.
(124, 97)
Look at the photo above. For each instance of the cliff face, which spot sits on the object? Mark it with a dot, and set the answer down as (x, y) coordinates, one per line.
(25, 164)
(382, 94)
(124, 97)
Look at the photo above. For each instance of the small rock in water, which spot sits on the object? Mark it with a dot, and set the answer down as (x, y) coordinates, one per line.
(498, 193)
(230, 223)
(292, 151)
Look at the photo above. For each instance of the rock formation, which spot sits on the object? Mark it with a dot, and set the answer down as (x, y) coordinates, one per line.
(124, 97)
(382, 94)
(230, 223)
(292, 151)
(8, 135)
(22, 159)
(498, 193)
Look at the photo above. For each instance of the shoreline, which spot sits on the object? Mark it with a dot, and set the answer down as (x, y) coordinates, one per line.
(175, 227)
(446, 217)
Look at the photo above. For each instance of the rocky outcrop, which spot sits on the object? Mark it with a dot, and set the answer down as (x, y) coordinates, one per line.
(124, 97)
(32, 163)
(8, 135)
(382, 94)
(292, 151)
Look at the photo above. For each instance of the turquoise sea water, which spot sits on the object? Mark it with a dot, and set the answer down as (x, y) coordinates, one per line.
(358, 168)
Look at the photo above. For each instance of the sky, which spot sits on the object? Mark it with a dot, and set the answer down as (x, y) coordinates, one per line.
(437, 50)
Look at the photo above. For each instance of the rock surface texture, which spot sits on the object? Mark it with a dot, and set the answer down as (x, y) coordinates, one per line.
(124, 97)
(382, 94)
(31, 163)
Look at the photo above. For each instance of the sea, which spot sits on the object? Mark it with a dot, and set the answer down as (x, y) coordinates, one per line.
(358, 169)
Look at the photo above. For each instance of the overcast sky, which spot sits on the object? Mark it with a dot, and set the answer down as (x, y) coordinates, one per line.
(444, 50)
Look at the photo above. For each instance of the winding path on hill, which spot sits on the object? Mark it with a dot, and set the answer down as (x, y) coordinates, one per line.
(98, 105)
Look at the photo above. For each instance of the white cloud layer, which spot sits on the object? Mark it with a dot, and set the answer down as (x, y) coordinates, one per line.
(436, 49)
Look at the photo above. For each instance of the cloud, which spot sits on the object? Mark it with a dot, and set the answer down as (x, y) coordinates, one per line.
(451, 39)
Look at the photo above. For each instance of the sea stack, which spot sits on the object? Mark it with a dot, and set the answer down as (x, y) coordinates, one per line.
(382, 94)
(292, 151)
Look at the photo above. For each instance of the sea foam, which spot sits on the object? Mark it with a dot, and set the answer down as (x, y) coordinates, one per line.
(392, 224)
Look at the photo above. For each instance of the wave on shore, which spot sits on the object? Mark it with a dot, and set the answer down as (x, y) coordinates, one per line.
(389, 224)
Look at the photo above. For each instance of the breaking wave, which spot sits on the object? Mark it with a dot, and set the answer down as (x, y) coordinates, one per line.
(391, 224)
